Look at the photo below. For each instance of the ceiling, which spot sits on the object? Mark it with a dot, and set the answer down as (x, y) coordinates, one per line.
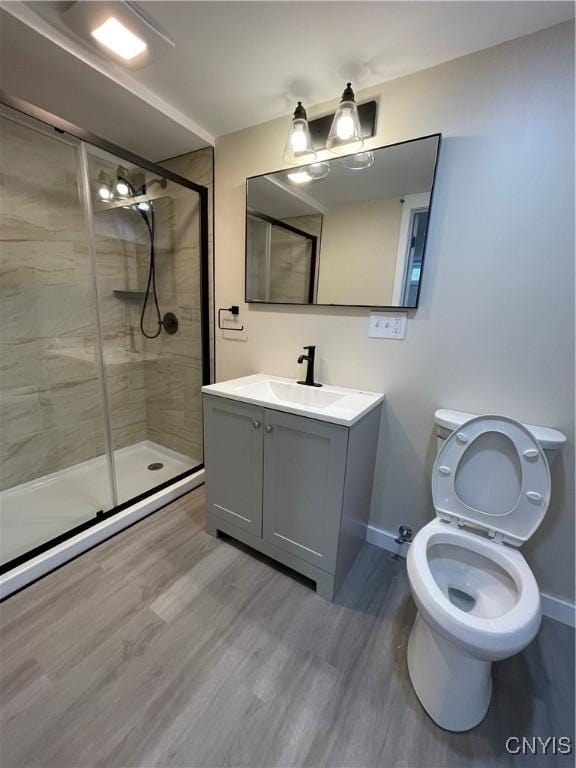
(237, 64)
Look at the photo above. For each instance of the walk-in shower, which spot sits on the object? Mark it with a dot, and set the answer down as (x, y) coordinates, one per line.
(103, 331)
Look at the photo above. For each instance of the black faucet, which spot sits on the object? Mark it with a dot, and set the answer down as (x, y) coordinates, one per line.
(310, 369)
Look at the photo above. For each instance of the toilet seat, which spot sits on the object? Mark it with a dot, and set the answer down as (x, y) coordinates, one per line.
(493, 638)
(505, 456)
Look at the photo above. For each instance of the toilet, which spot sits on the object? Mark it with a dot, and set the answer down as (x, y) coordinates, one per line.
(477, 598)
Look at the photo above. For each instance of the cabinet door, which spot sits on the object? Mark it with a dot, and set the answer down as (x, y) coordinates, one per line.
(304, 466)
(233, 462)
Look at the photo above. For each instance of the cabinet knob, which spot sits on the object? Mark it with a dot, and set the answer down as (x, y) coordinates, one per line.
(269, 428)
(256, 424)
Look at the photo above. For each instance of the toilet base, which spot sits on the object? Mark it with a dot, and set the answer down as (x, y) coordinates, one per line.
(453, 687)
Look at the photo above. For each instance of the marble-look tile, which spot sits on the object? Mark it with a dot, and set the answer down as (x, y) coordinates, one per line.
(27, 458)
(128, 434)
(52, 408)
(21, 413)
(71, 403)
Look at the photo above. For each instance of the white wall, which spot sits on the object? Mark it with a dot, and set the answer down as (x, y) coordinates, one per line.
(358, 252)
(494, 331)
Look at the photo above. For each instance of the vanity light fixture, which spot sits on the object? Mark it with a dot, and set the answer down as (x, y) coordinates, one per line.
(299, 141)
(359, 161)
(105, 187)
(118, 38)
(346, 129)
(122, 183)
(299, 177)
(308, 173)
(318, 170)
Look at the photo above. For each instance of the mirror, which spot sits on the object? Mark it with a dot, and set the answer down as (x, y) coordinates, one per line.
(331, 234)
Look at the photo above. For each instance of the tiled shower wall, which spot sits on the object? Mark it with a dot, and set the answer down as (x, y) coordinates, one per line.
(51, 414)
(174, 377)
(173, 363)
(121, 246)
(50, 405)
(199, 167)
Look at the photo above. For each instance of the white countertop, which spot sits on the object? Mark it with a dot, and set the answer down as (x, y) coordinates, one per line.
(337, 405)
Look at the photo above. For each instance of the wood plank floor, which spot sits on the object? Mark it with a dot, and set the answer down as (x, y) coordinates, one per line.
(165, 647)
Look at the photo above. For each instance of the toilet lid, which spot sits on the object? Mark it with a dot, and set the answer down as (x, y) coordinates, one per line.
(491, 474)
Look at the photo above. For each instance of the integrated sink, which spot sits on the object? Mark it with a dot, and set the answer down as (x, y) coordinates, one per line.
(290, 392)
(338, 405)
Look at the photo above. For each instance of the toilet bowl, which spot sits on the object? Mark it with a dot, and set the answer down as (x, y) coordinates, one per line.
(477, 598)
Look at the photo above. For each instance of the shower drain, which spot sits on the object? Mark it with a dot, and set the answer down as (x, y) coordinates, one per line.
(155, 465)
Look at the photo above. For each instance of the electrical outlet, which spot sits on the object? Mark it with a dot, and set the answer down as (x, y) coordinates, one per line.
(387, 325)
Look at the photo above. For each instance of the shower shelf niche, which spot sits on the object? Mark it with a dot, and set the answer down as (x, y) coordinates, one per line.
(126, 295)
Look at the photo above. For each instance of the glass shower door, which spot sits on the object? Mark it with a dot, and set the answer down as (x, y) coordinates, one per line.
(102, 352)
(147, 247)
(54, 473)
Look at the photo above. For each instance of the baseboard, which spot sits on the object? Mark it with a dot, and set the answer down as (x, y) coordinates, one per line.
(385, 540)
(553, 607)
(561, 610)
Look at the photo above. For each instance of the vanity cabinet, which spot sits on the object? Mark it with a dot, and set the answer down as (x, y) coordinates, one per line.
(233, 441)
(293, 487)
(304, 470)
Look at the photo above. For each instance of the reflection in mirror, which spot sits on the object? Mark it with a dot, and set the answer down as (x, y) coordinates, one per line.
(335, 233)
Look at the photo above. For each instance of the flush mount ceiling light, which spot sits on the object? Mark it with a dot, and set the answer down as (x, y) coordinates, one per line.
(115, 36)
(118, 30)
(346, 129)
(299, 142)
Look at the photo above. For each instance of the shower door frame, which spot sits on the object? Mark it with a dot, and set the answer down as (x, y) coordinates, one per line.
(86, 137)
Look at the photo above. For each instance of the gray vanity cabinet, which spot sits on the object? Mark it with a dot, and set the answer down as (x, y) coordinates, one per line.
(233, 458)
(293, 487)
(304, 467)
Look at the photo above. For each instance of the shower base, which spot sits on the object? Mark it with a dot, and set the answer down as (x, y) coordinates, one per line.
(36, 512)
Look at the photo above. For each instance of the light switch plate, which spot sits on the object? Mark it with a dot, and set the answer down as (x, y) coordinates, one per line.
(387, 325)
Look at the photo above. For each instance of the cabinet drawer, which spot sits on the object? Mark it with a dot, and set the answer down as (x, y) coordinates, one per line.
(233, 445)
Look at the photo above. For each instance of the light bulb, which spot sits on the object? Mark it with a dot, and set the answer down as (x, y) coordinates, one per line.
(345, 129)
(299, 177)
(122, 188)
(105, 193)
(298, 139)
(345, 126)
(105, 188)
(299, 142)
(144, 206)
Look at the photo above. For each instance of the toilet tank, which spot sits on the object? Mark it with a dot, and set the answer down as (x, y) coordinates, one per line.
(447, 421)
